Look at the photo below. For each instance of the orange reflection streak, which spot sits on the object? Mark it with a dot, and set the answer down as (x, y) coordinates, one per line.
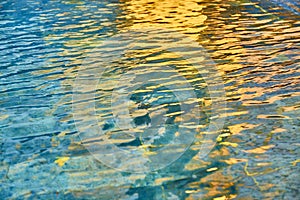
(182, 15)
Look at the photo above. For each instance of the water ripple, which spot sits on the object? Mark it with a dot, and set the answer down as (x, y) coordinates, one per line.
(255, 45)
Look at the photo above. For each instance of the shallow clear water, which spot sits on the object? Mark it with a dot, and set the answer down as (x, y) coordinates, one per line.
(47, 129)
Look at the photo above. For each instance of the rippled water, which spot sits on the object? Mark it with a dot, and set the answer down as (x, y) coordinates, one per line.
(254, 45)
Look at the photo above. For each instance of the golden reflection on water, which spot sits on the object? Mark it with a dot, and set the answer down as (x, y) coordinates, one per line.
(253, 51)
(183, 16)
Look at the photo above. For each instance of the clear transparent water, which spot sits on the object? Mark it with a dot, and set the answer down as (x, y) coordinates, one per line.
(255, 47)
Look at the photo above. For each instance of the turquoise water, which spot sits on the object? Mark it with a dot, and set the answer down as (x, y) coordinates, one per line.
(253, 45)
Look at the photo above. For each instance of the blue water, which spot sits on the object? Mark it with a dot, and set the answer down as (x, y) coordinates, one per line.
(255, 47)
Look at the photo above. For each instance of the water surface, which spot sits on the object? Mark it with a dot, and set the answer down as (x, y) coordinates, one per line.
(255, 47)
